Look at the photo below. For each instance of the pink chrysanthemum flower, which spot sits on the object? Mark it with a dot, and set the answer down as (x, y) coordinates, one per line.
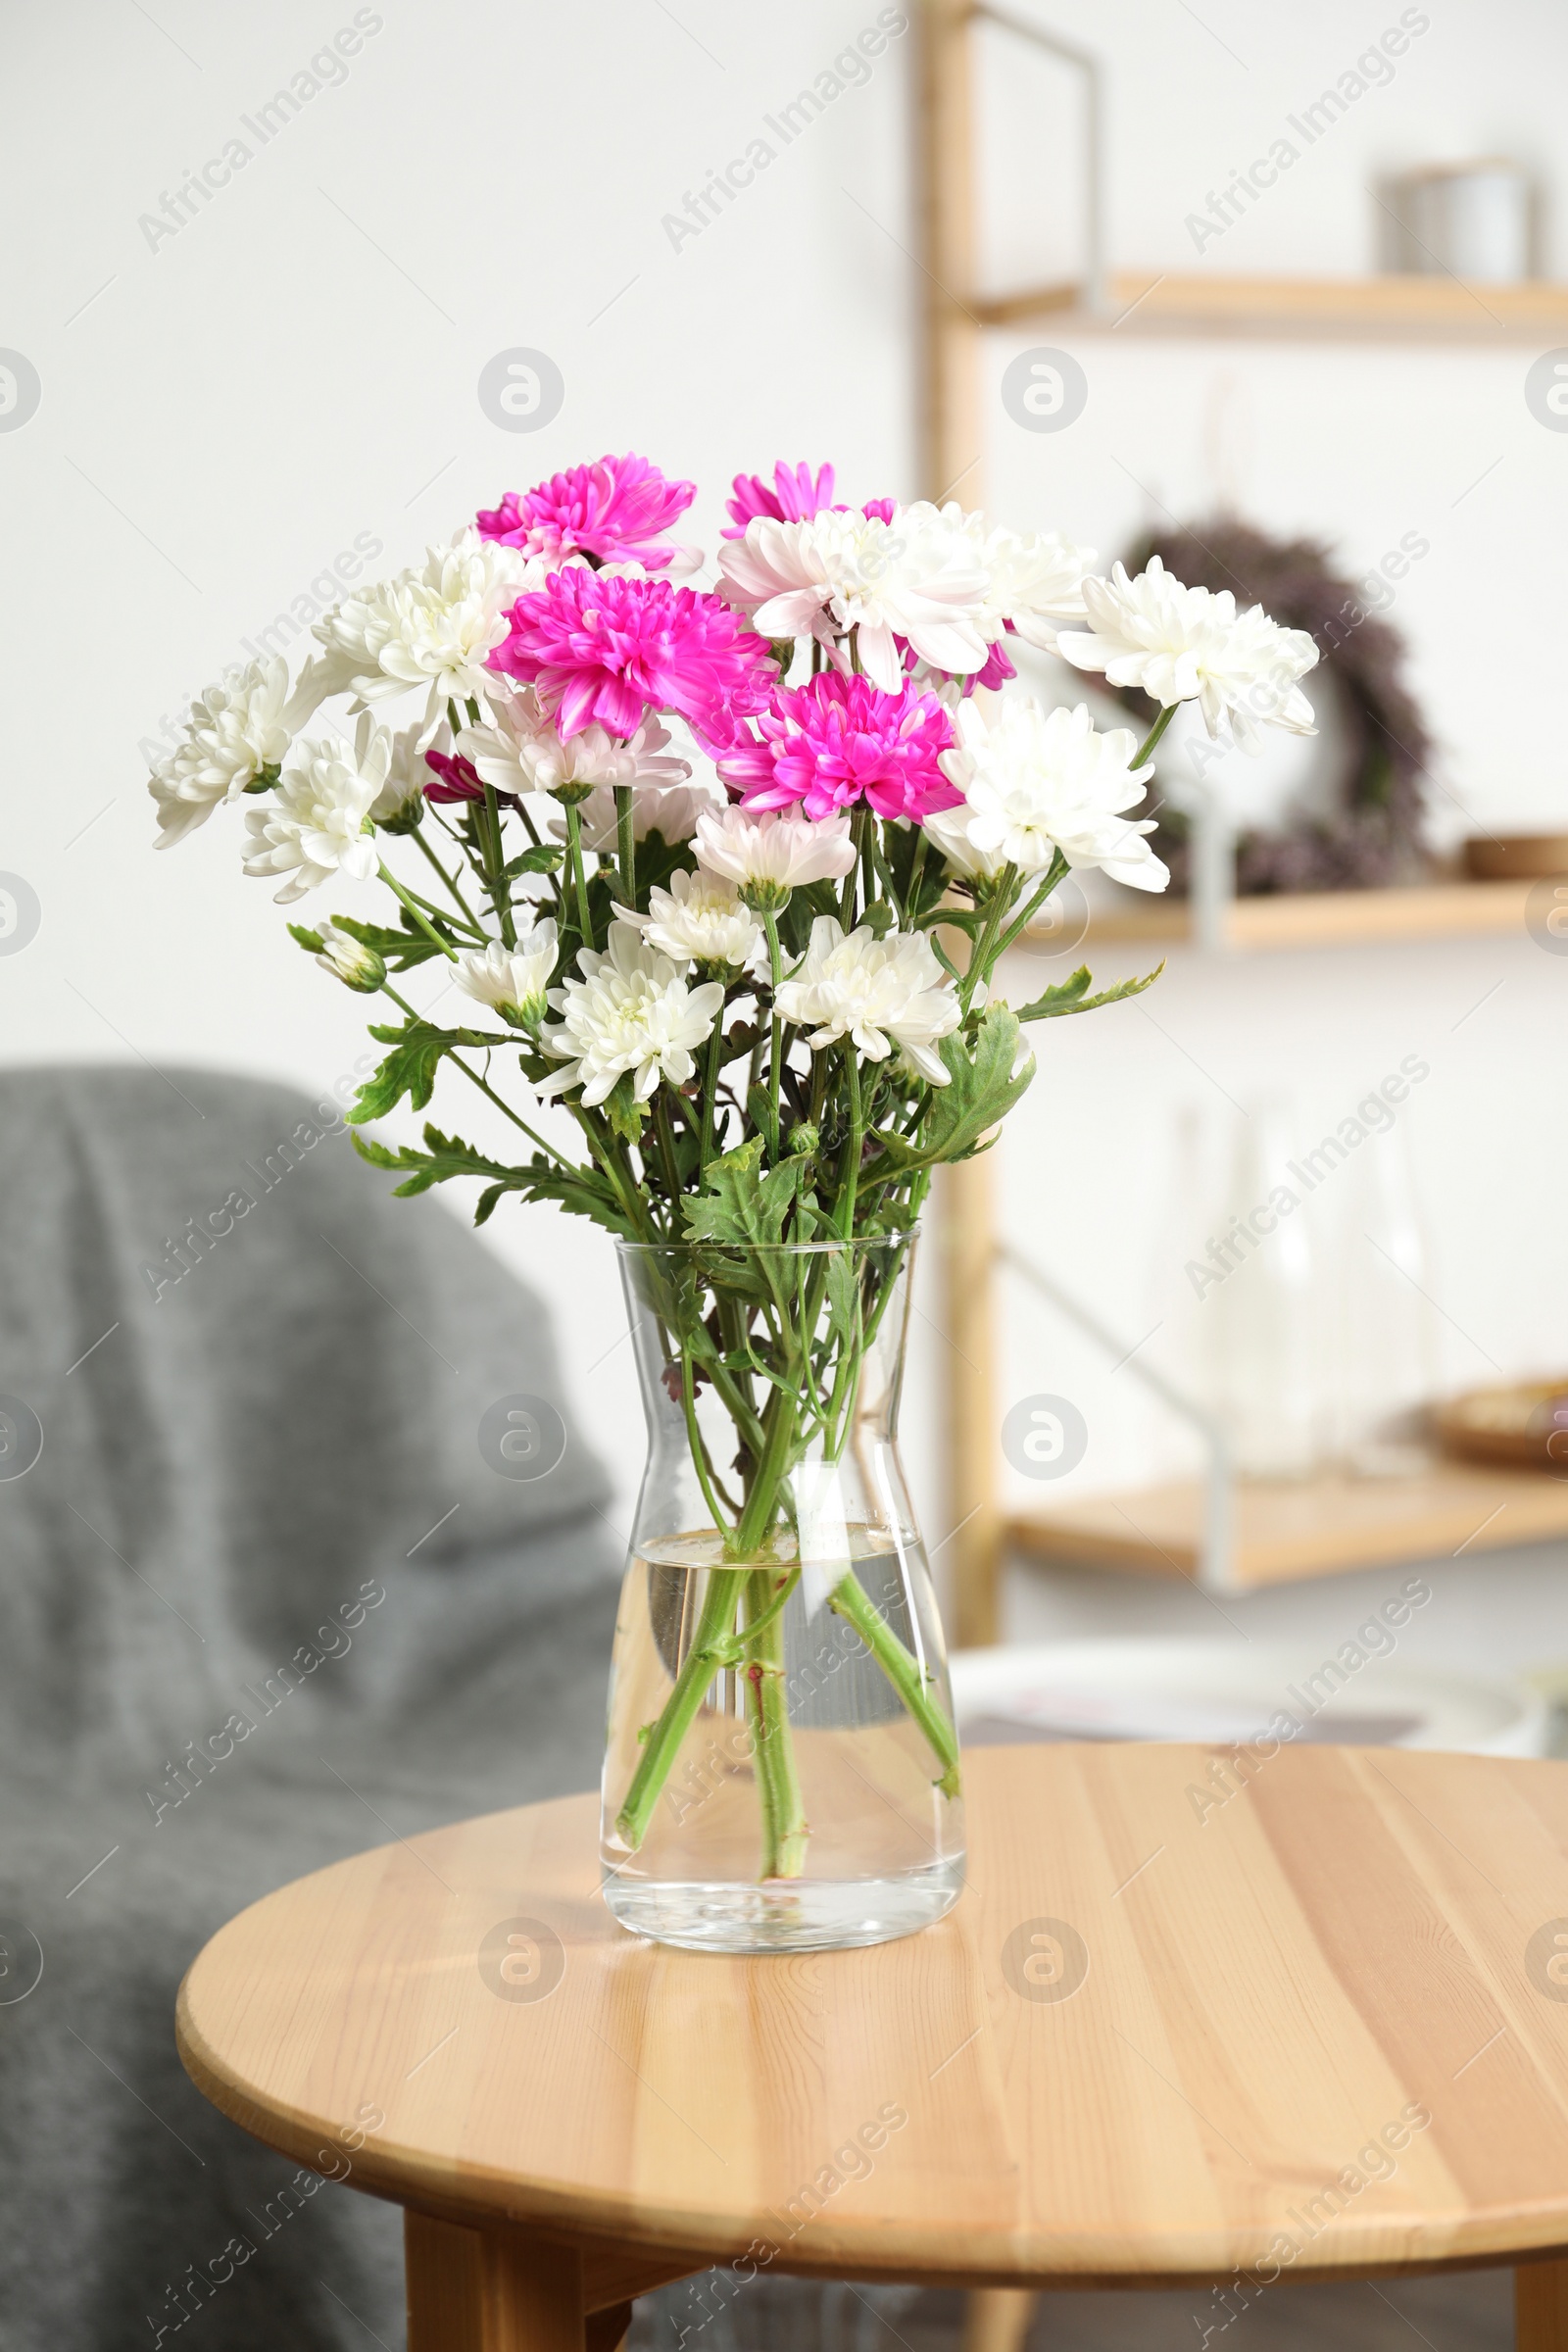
(796, 496)
(615, 510)
(601, 647)
(838, 739)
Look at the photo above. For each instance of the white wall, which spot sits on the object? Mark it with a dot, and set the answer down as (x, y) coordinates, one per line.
(223, 414)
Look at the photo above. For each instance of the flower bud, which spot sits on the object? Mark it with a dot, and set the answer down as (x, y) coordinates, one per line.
(349, 959)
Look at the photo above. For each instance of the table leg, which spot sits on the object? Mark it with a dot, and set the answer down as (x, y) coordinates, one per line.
(607, 2329)
(471, 2291)
(1541, 2307)
(996, 2319)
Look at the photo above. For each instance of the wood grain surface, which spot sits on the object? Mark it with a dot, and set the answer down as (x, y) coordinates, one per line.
(1315, 2028)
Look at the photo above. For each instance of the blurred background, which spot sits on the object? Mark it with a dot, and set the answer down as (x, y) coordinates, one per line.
(238, 381)
(292, 292)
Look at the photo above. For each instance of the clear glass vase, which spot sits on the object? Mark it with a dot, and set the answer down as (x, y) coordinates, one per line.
(781, 1771)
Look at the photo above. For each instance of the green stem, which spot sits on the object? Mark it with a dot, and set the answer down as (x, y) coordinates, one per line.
(486, 1087)
(778, 1423)
(628, 848)
(709, 1102)
(785, 1829)
(425, 925)
(694, 1440)
(499, 893)
(474, 925)
(667, 1154)
(911, 895)
(786, 1580)
(713, 1646)
(1056, 872)
(775, 1055)
(1154, 733)
(847, 893)
(579, 880)
(981, 959)
(852, 1148)
(610, 1153)
(501, 1104)
(849, 1600)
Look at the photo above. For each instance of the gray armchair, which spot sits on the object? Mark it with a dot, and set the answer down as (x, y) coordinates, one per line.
(264, 1601)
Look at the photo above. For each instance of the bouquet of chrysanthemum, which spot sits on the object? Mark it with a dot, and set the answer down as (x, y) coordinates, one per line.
(725, 875)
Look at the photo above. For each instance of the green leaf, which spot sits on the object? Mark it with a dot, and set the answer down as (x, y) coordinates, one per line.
(942, 957)
(981, 1089)
(843, 1293)
(311, 940)
(1065, 997)
(877, 918)
(409, 1069)
(379, 1155)
(1072, 995)
(622, 1109)
(742, 1208)
(581, 1191)
(444, 1156)
(739, 1043)
(546, 858)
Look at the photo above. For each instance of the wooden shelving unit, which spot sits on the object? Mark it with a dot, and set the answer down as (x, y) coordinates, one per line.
(1149, 303)
(1313, 1527)
(1320, 918)
(1327, 1525)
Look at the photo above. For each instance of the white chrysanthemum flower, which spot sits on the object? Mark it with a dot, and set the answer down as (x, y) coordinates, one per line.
(430, 626)
(881, 992)
(399, 802)
(948, 828)
(767, 857)
(349, 959)
(1035, 783)
(701, 918)
(515, 980)
(522, 751)
(915, 577)
(234, 730)
(1181, 643)
(630, 1011)
(315, 828)
(1034, 583)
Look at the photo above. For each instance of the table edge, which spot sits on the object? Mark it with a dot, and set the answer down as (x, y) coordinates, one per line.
(930, 2258)
(485, 2198)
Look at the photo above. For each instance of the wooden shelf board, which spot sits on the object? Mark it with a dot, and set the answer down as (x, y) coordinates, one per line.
(1322, 918)
(1142, 302)
(1322, 1525)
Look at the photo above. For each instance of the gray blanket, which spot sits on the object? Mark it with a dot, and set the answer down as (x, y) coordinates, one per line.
(264, 1601)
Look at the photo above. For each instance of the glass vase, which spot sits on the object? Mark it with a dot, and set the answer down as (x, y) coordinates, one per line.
(781, 1769)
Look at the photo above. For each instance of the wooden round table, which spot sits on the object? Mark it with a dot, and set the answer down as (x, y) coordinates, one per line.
(1195, 2019)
